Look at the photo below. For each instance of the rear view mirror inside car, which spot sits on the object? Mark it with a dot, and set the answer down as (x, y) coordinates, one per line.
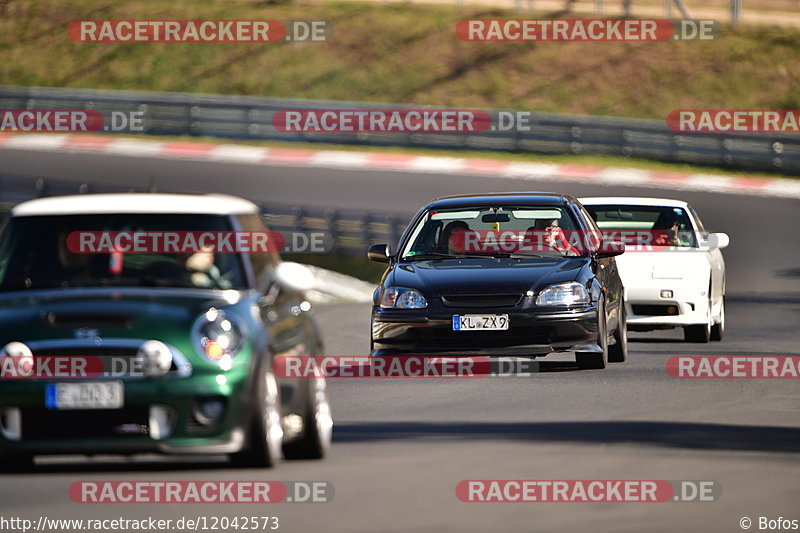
(618, 215)
(495, 217)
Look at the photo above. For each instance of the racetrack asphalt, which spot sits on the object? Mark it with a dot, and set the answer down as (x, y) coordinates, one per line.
(402, 445)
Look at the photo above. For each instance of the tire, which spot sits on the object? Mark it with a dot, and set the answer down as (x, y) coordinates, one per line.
(591, 360)
(317, 424)
(618, 352)
(718, 329)
(265, 433)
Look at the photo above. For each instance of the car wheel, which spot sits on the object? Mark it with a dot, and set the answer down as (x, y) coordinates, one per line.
(317, 424)
(265, 433)
(618, 352)
(718, 329)
(591, 360)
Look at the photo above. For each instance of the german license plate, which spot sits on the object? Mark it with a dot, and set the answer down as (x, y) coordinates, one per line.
(483, 322)
(91, 395)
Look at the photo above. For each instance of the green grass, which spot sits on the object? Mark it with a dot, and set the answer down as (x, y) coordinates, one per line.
(402, 53)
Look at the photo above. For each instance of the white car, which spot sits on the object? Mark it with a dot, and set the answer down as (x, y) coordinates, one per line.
(678, 283)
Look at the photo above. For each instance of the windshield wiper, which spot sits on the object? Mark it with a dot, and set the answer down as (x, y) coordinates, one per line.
(519, 255)
(142, 281)
(430, 255)
(439, 255)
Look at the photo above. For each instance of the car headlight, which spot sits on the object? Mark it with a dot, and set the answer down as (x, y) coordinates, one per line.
(400, 298)
(218, 337)
(155, 358)
(16, 360)
(572, 293)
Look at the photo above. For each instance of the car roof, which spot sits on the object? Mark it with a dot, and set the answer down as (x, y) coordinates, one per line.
(515, 198)
(627, 200)
(136, 203)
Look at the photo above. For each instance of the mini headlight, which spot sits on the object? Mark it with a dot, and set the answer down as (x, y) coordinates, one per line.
(400, 298)
(16, 360)
(155, 357)
(572, 293)
(217, 336)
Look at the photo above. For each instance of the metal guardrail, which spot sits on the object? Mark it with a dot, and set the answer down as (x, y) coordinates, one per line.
(350, 232)
(238, 117)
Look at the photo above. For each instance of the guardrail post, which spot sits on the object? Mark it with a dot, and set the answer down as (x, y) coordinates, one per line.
(41, 187)
(369, 235)
(299, 216)
(736, 11)
(627, 12)
(394, 235)
(331, 218)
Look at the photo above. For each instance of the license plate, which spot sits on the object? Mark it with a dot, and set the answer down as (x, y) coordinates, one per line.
(483, 322)
(92, 395)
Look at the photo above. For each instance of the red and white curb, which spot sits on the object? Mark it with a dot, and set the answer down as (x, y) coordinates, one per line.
(233, 153)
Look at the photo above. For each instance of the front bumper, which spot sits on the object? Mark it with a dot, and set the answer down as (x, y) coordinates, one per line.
(643, 307)
(531, 332)
(130, 429)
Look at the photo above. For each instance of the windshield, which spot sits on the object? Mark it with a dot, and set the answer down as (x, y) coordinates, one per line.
(669, 226)
(492, 231)
(34, 254)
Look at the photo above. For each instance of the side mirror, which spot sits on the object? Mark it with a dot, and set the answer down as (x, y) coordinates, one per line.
(718, 240)
(294, 277)
(611, 249)
(379, 253)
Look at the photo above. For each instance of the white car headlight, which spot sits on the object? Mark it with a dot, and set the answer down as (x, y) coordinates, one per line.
(400, 298)
(218, 337)
(16, 360)
(155, 357)
(571, 293)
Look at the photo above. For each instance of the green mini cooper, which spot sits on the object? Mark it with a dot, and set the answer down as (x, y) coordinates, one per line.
(163, 351)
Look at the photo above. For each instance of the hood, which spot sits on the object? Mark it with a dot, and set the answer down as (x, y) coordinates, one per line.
(119, 312)
(668, 264)
(485, 275)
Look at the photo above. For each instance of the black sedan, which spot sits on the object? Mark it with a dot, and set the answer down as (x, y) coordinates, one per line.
(503, 274)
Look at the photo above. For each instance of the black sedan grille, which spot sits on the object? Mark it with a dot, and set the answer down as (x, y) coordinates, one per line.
(41, 424)
(462, 340)
(481, 300)
(654, 310)
(114, 359)
(76, 351)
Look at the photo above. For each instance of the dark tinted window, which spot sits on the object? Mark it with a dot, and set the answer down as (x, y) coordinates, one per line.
(34, 254)
(672, 220)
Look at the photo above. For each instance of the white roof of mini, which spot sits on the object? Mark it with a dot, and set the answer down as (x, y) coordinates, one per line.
(627, 200)
(134, 203)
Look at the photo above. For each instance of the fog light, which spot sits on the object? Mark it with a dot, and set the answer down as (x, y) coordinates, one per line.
(666, 294)
(672, 310)
(209, 412)
(161, 421)
(11, 423)
(212, 409)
